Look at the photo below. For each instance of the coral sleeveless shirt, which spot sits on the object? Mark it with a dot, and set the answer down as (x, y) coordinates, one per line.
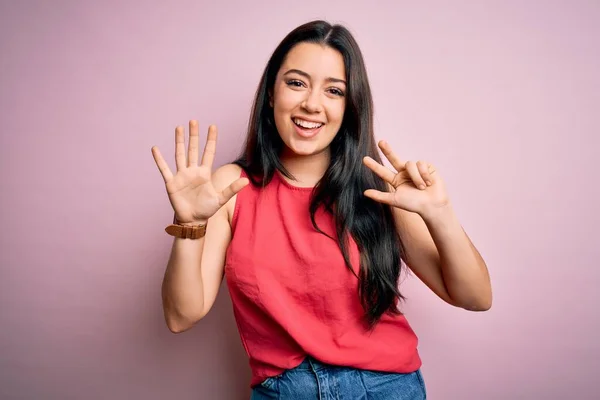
(293, 295)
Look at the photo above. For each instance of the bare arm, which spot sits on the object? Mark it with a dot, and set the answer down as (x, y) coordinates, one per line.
(195, 269)
(441, 254)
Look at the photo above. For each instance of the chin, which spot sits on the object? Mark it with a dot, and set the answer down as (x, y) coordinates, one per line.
(303, 149)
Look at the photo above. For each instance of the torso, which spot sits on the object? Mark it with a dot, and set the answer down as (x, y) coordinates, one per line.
(294, 296)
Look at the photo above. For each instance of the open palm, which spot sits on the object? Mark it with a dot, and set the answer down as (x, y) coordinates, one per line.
(191, 191)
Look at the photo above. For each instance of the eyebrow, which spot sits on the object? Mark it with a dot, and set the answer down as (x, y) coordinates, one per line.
(307, 76)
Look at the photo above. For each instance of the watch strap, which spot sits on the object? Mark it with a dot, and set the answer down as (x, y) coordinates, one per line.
(184, 231)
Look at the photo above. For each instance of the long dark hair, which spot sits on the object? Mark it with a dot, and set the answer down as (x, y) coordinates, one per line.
(341, 189)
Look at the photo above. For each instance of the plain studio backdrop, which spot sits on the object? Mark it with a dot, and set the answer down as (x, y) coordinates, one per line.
(503, 97)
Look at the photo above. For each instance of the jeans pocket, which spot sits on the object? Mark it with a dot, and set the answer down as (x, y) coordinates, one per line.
(394, 385)
(266, 390)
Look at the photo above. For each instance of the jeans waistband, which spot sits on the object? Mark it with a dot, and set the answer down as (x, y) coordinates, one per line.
(310, 364)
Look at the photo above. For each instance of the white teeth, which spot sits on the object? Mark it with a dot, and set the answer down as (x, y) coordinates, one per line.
(306, 124)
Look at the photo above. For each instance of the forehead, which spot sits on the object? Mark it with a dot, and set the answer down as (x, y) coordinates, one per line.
(317, 60)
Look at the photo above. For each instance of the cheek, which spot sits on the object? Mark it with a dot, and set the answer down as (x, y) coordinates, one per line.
(289, 103)
(337, 114)
(281, 114)
(285, 99)
(282, 111)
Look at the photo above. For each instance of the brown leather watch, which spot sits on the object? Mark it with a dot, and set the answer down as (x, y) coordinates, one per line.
(186, 232)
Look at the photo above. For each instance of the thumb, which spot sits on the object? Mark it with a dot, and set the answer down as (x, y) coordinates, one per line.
(381, 197)
(233, 189)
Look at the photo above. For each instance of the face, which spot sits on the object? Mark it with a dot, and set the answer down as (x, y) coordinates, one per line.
(309, 98)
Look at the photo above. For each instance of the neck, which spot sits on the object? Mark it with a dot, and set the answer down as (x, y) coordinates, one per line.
(308, 170)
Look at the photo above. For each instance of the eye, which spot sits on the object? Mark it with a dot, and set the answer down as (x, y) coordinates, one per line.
(295, 83)
(337, 92)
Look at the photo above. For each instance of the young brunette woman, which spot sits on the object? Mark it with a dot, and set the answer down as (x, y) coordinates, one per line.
(311, 232)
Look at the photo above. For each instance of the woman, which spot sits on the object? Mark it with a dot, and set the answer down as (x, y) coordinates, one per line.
(310, 230)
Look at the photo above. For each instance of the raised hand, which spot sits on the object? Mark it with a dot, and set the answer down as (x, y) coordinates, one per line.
(414, 186)
(191, 191)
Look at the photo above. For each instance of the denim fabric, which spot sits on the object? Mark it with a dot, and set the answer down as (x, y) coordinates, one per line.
(313, 380)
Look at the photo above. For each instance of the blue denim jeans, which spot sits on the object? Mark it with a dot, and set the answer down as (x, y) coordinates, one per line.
(313, 380)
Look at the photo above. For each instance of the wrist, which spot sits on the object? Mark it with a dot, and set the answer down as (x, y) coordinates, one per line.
(437, 213)
(189, 223)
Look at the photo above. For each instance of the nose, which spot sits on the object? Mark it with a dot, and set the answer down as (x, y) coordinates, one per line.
(312, 102)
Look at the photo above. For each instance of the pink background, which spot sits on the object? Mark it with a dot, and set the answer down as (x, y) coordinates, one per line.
(503, 97)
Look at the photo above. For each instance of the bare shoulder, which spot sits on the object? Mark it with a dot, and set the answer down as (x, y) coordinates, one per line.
(224, 176)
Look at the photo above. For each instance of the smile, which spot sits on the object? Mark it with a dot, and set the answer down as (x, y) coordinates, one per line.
(307, 129)
(306, 124)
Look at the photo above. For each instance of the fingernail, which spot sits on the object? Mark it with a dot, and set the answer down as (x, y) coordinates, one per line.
(428, 183)
(421, 187)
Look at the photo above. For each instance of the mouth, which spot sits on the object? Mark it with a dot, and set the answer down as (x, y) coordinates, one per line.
(307, 129)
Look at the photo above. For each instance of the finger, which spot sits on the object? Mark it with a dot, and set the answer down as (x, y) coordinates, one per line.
(381, 171)
(413, 172)
(193, 144)
(162, 165)
(424, 172)
(381, 197)
(179, 148)
(211, 147)
(232, 190)
(391, 156)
